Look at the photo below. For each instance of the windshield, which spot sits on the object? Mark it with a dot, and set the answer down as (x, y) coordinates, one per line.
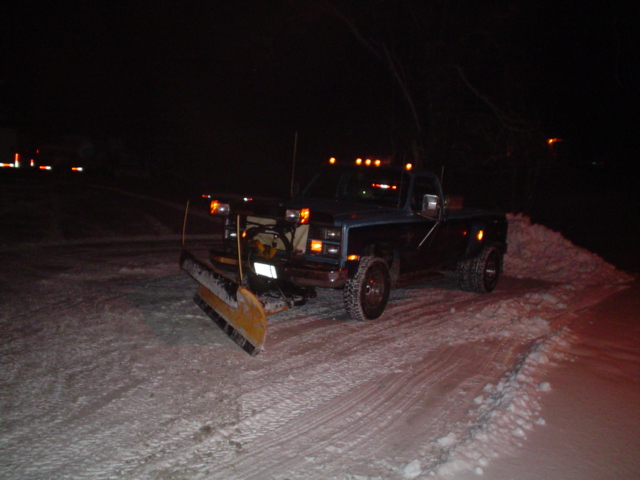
(375, 185)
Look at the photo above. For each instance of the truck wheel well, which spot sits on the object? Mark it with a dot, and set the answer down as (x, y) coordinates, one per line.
(387, 253)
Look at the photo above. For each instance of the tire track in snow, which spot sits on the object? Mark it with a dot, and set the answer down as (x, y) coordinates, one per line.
(325, 372)
(352, 423)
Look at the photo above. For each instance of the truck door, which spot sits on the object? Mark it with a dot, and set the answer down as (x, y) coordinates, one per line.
(425, 245)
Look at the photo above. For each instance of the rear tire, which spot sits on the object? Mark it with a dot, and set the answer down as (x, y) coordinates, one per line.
(480, 274)
(366, 294)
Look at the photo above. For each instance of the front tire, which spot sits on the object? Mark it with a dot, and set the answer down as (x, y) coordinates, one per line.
(480, 274)
(366, 294)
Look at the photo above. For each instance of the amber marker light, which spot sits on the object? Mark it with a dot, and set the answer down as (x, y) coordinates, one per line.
(305, 213)
(367, 162)
(316, 246)
(358, 161)
(377, 163)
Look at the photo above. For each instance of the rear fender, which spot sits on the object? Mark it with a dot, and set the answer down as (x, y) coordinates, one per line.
(476, 240)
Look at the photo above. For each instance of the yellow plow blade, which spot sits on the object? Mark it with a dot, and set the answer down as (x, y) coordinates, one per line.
(232, 307)
(246, 325)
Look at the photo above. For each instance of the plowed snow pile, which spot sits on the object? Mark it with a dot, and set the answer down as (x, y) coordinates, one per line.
(537, 252)
(109, 371)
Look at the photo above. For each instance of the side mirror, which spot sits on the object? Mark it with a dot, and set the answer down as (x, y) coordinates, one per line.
(430, 205)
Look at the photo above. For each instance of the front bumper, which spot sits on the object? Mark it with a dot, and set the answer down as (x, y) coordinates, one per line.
(312, 276)
(301, 274)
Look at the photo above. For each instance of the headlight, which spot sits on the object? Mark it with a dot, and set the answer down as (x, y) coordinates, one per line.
(332, 233)
(300, 216)
(324, 241)
(217, 208)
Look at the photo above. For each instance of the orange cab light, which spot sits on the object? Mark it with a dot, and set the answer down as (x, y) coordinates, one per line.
(353, 257)
(316, 246)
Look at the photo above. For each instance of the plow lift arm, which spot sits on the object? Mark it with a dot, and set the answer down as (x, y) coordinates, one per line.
(234, 308)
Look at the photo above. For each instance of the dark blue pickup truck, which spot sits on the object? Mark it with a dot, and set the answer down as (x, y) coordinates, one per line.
(363, 228)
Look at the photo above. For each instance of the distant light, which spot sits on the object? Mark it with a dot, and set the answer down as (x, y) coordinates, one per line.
(551, 141)
(377, 163)
(408, 166)
(16, 161)
(358, 161)
(6, 165)
(332, 160)
(480, 235)
(77, 169)
(44, 167)
(367, 162)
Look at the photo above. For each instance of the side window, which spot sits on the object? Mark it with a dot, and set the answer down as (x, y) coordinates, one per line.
(421, 187)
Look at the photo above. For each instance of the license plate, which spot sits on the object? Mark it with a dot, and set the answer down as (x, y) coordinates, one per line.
(265, 270)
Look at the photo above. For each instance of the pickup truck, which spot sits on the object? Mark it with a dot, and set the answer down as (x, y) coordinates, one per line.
(363, 228)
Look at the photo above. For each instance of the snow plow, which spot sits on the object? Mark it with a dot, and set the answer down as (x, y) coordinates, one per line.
(231, 306)
(240, 291)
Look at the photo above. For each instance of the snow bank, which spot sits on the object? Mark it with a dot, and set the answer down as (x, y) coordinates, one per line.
(537, 252)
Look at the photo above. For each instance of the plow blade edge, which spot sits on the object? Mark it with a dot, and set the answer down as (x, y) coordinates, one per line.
(232, 307)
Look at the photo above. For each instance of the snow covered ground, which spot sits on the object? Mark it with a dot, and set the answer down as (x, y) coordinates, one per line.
(109, 370)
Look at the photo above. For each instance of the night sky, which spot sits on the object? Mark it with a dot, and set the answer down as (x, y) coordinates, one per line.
(211, 85)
